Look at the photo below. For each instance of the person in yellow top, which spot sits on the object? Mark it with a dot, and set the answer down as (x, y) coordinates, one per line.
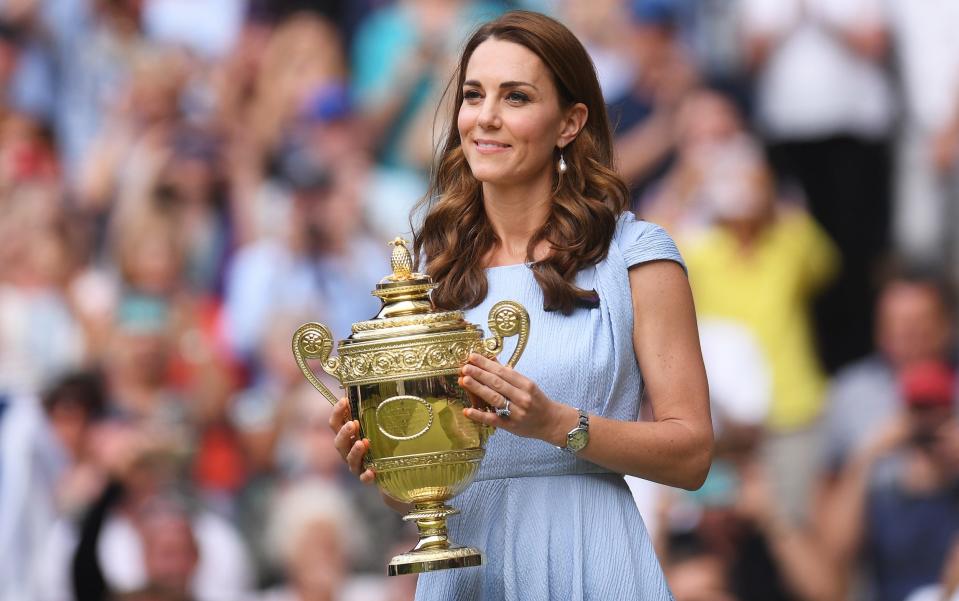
(761, 262)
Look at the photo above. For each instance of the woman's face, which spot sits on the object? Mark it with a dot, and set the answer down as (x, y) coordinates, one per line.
(510, 120)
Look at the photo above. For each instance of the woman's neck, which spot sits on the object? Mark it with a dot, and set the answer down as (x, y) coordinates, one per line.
(515, 213)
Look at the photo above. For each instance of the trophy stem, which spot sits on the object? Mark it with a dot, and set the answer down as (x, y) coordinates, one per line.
(433, 551)
(430, 520)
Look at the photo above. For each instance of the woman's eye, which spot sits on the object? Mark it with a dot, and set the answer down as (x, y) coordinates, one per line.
(471, 95)
(517, 97)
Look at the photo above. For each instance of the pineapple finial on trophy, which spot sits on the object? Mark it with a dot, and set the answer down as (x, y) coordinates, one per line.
(400, 260)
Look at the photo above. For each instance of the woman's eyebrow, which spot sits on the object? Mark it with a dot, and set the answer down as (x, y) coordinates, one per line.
(505, 84)
(516, 84)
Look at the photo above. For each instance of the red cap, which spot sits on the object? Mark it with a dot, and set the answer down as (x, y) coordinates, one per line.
(927, 384)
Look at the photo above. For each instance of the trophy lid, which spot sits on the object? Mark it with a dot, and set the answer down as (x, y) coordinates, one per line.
(406, 308)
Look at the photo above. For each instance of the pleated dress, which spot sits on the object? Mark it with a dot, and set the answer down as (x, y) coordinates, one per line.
(550, 525)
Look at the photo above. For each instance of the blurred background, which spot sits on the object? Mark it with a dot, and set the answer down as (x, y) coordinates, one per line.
(184, 182)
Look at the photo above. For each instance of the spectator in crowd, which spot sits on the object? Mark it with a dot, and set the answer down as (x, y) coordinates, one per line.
(602, 26)
(304, 55)
(27, 155)
(136, 365)
(323, 258)
(149, 255)
(894, 504)
(798, 48)
(315, 535)
(696, 573)
(706, 124)
(35, 253)
(927, 56)
(190, 188)
(287, 438)
(643, 118)
(712, 31)
(33, 463)
(116, 546)
(914, 324)
(170, 550)
(761, 265)
(74, 407)
(129, 150)
(733, 539)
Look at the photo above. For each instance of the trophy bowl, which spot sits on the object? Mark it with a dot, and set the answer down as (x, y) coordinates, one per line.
(400, 371)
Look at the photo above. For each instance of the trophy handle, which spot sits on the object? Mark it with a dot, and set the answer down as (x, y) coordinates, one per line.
(507, 318)
(315, 341)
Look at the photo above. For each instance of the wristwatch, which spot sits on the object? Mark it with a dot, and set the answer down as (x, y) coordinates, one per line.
(578, 437)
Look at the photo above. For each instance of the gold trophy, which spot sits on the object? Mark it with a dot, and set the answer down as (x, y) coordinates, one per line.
(400, 371)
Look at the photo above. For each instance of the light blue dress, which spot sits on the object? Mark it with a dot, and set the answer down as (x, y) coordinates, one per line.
(552, 526)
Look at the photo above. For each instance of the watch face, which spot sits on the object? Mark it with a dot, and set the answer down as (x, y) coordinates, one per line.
(577, 440)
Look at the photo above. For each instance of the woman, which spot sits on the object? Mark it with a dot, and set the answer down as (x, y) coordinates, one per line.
(525, 206)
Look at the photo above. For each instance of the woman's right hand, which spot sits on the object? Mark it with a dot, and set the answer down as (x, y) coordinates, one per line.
(351, 448)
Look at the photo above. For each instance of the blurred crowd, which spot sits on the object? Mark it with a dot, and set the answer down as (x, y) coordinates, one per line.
(184, 182)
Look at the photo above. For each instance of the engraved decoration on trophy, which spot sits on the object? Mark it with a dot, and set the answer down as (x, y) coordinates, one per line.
(400, 372)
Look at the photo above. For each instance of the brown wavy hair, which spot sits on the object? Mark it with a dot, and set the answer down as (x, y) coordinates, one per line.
(456, 233)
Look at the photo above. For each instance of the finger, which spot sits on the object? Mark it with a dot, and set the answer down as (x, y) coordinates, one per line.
(340, 414)
(483, 392)
(484, 417)
(368, 477)
(345, 437)
(475, 401)
(505, 372)
(493, 381)
(354, 459)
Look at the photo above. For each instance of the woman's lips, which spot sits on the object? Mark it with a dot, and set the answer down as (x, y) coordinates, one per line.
(490, 146)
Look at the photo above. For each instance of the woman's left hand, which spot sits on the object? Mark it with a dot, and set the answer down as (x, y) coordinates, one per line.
(531, 413)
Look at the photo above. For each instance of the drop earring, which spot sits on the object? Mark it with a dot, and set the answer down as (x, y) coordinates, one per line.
(562, 163)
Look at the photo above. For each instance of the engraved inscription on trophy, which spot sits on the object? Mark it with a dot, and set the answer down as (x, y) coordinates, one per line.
(404, 417)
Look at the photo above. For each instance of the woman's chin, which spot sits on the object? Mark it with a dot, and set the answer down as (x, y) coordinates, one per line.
(484, 174)
(490, 177)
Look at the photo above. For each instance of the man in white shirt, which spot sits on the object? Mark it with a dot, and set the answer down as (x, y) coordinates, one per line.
(825, 108)
(927, 49)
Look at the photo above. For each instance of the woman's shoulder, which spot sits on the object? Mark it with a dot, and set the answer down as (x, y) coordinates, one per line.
(640, 241)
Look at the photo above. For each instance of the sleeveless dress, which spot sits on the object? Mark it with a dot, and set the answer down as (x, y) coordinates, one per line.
(550, 525)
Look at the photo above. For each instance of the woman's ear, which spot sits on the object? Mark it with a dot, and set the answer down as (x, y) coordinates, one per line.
(572, 124)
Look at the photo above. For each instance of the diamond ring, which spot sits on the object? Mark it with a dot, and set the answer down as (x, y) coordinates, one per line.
(504, 410)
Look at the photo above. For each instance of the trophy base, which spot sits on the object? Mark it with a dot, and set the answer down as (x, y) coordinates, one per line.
(433, 551)
(428, 560)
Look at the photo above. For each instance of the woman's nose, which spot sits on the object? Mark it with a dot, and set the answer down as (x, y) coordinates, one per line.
(489, 117)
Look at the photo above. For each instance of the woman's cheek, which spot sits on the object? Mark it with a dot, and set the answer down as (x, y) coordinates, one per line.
(465, 120)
